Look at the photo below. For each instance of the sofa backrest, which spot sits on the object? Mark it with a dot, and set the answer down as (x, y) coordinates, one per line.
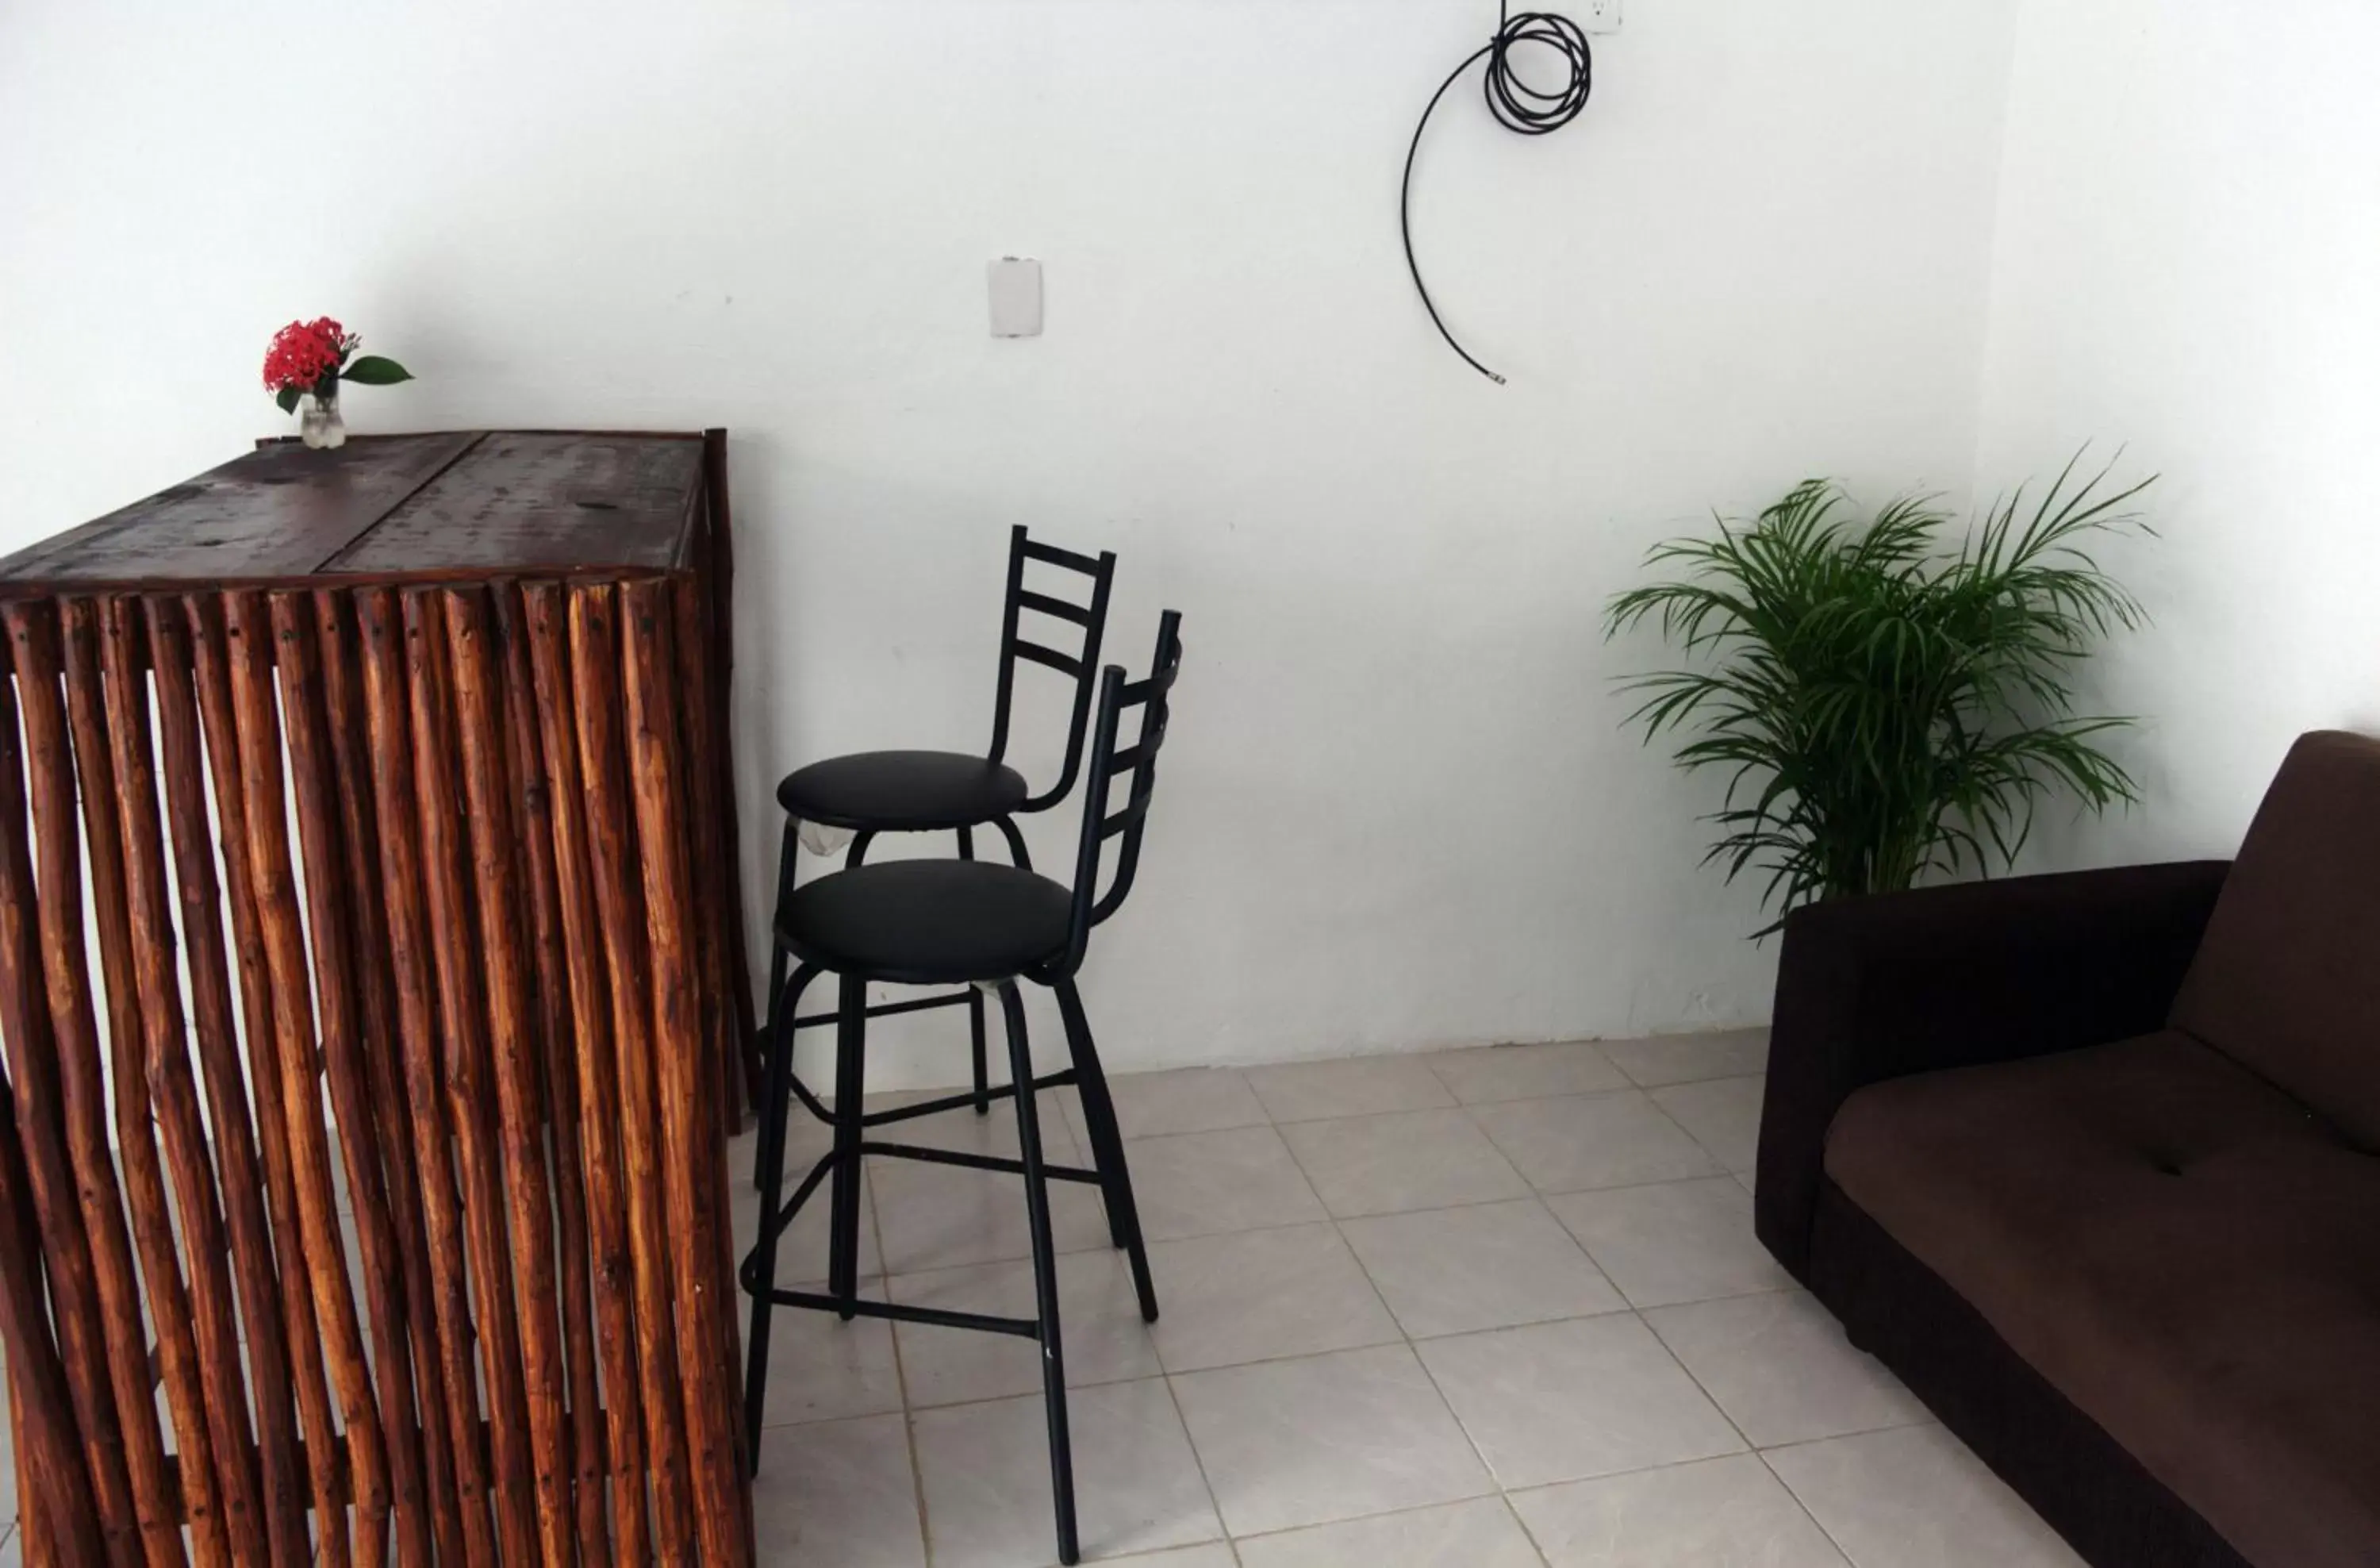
(2286, 982)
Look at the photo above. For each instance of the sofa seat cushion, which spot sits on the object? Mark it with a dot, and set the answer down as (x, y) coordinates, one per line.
(2187, 1253)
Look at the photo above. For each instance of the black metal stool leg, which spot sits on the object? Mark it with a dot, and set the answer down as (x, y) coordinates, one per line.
(1107, 1144)
(850, 1069)
(975, 1010)
(777, 960)
(1017, 853)
(769, 1146)
(773, 1110)
(1045, 1273)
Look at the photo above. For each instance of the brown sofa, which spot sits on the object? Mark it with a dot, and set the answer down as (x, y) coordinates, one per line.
(2092, 1162)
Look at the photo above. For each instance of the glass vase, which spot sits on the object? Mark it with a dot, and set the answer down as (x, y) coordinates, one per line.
(318, 424)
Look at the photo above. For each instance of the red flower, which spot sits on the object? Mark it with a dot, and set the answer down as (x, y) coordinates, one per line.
(306, 354)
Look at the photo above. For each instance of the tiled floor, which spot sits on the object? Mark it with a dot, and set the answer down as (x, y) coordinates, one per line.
(1487, 1309)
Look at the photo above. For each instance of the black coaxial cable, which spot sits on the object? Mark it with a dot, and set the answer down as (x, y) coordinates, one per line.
(1517, 106)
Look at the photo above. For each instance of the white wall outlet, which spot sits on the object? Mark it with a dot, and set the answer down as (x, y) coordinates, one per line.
(1015, 297)
(1598, 16)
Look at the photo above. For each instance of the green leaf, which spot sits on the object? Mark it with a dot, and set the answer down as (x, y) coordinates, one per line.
(287, 397)
(375, 370)
(1886, 703)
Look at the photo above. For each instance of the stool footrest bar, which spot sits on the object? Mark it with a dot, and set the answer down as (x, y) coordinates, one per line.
(964, 1099)
(1022, 1328)
(976, 1162)
(885, 1009)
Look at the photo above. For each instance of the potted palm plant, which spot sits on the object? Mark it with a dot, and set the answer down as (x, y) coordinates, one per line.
(1887, 704)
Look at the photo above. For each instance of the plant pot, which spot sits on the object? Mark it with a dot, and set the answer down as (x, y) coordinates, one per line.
(318, 424)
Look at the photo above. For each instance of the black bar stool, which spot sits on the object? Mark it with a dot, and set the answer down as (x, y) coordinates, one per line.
(972, 923)
(873, 792)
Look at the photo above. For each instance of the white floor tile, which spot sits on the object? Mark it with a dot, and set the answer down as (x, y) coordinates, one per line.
(1685, 1059)
(1362, 1085)
(1564, 1401)
(1916, 1495)
(1527, 1072)
(838, 1495)
(821, 1369)
(1403, 1161)
(946, 1217)
(1207, 1184)
(1099, 1330)
(1195, 1099)
(1595, 1140)
(1780, 1368)
(1214, 1554)
(1479, 1534)
(986, 1469)
(1490, 1266)
(1723, 1115)
(1326, 1438)
(1718, 1513)
(1261, 1295)
(1673, 1241)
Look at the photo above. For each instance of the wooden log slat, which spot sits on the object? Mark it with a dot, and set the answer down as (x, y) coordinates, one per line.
(299, 663)
(52, 1483)
(225, 1081)
(724, 1035)
(367, 926)
(497, 959)
(173, 1087)
(146, 1202)
(387, 709)
(699, 797)
(456, 945)
(211, 637)
(19, 1420)
(250, 642)
(479, 724)
(40, 1122)
(721, 1498)
(529, 795)
(593, 1072)
(613, 851)
(717, 573)
(33, 637)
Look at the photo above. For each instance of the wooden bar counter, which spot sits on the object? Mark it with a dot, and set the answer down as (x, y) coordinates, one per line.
(373, 989)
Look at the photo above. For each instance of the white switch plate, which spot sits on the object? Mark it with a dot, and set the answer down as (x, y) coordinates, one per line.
(1015, 297)
(1598, 16)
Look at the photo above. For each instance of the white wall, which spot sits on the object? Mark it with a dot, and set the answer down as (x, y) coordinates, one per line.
(2188, 260)
(1397, 810)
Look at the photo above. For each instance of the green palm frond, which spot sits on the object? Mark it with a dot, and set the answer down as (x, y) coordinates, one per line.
(1885, 706)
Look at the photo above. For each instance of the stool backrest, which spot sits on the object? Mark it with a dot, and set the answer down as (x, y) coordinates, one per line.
(1091, 620)
(1110, 762)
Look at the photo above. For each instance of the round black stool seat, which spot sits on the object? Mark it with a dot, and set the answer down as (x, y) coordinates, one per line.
(927, 922)
(902, 791)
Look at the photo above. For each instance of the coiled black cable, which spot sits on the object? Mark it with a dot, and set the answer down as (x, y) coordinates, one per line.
(1516, 105)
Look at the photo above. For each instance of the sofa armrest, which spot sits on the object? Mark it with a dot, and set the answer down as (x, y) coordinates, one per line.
(1876, 987)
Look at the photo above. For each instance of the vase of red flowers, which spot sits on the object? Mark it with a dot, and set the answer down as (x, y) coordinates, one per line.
(304, 366)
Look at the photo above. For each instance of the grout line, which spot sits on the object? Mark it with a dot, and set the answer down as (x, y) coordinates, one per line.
(901, 1380)
(1213, 1500)
(1750, 1447)
(1526, 1534)
(1413, 1349)
(1716, 1158)
(1762, 1455)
